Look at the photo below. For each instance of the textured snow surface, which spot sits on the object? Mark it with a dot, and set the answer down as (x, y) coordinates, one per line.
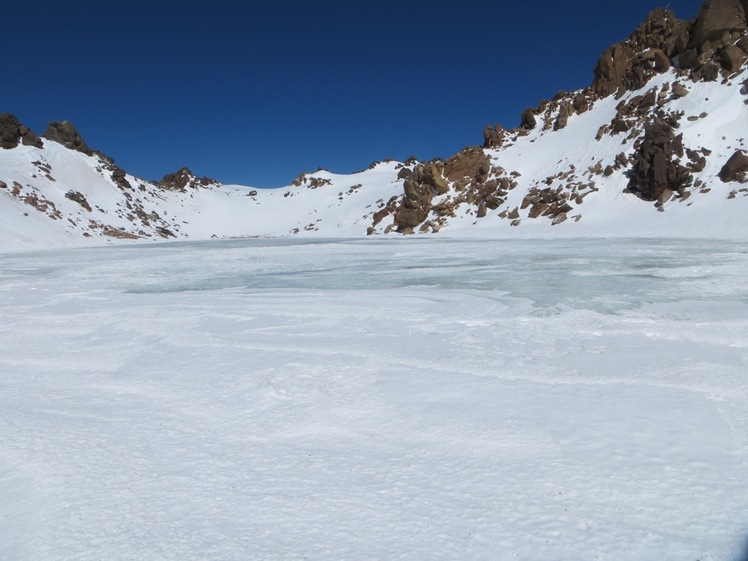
(375, 399)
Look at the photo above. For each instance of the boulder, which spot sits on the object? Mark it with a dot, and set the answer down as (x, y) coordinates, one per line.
(708, 72)
(472, 163)
(735, 168)
(580, 103)
(715, 19)
(564, 112)
(527, 119)
(661, 60)
(679, 90)
(430, 174)
(732, 58)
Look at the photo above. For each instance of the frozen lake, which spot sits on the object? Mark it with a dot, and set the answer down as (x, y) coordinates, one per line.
(412, 399)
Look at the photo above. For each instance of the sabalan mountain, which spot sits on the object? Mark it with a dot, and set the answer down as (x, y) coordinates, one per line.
(655, 146)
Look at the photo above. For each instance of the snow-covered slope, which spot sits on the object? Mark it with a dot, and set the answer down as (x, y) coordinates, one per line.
(55, 196)
(643, 151)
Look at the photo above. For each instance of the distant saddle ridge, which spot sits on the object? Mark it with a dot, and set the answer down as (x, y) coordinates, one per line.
(662, 123)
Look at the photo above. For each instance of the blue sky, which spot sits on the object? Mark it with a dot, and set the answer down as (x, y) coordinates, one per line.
(257, 92)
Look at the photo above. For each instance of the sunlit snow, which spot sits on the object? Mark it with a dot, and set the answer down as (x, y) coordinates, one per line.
(375, 399)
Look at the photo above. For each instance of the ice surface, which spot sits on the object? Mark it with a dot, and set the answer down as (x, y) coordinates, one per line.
(375, 399)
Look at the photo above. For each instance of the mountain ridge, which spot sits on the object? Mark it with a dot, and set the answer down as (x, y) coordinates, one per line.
(658, 131)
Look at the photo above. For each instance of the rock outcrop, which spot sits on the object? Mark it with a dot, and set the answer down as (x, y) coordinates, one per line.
(494, 136)
(716, 22)
(628, 65)
(656, 174)
(736, 168)
(12, 132)
(705, 46)
(183, 179)
(421, 185)
(65, 133)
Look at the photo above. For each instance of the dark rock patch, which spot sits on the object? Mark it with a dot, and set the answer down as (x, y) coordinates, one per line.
(79, 198)
(494, 136)
(735, 168)
(655, 169)
(12, 132)
(472, 163)
(66, 134)
(183, 179)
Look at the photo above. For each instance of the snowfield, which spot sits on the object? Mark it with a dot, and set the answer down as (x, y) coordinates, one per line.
(376, 399)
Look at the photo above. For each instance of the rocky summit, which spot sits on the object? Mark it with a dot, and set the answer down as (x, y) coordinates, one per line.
(655, 145)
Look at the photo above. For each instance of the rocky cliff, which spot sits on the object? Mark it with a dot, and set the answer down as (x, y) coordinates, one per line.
(711, 48)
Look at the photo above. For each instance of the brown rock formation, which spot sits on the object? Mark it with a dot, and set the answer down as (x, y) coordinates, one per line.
(66, 134)
(715, 19)
(470, 163)
(655, 171)
(630, 64)
(527, 119)
(12, 132)
(736, 168)
(420, 186)
(184, 178)
(493, 136)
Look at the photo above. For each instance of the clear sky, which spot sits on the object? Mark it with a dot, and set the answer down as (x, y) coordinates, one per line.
(256, 92)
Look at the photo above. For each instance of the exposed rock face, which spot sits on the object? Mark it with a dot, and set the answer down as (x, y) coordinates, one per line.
(12, 132)
(527, 119)
(184, 178)
(705, 45)
(731, 58)
(630, 64)
(655, 174)
(471, 163)
(421, 185)
(564, 112)
(466, 179)
(713, 43)
(736, 168)
(715, 19)
(66, 134)
(493, 137)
